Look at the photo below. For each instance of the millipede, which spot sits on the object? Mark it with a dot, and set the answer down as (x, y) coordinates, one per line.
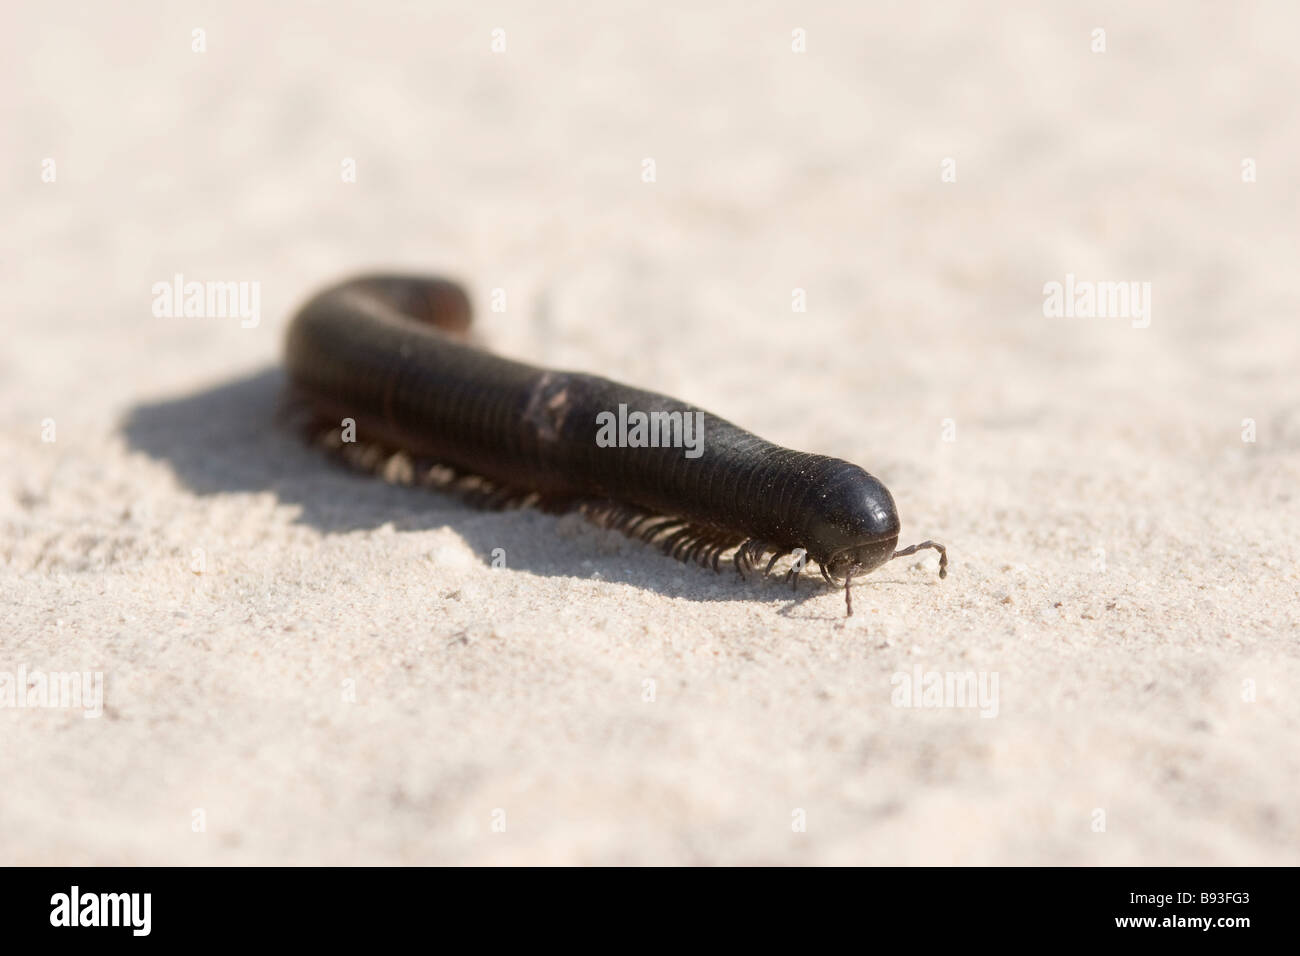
(394, 356)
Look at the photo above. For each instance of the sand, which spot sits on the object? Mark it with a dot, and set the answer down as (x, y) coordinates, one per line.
(303, 665)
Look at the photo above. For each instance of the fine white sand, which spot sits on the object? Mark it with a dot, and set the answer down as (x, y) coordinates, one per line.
(347, 679)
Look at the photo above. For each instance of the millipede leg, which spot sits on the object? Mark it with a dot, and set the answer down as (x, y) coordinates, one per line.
(630, 527)
(943, 554)
(682, 550)
(672, 541)
(739, 561)
(657, 527)
(848, 595)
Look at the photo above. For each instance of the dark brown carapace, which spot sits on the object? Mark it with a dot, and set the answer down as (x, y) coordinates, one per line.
(393, 354)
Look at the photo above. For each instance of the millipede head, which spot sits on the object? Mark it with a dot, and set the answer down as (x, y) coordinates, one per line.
(853, 526)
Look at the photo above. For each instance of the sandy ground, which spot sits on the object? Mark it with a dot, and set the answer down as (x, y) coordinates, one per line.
(302, 665)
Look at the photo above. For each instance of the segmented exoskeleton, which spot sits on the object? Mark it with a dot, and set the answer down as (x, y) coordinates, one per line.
(393, 354)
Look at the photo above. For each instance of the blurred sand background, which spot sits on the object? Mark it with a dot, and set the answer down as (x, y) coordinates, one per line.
(1121, 558)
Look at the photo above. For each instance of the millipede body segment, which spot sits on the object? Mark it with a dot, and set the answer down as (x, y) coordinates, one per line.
(393, 355)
